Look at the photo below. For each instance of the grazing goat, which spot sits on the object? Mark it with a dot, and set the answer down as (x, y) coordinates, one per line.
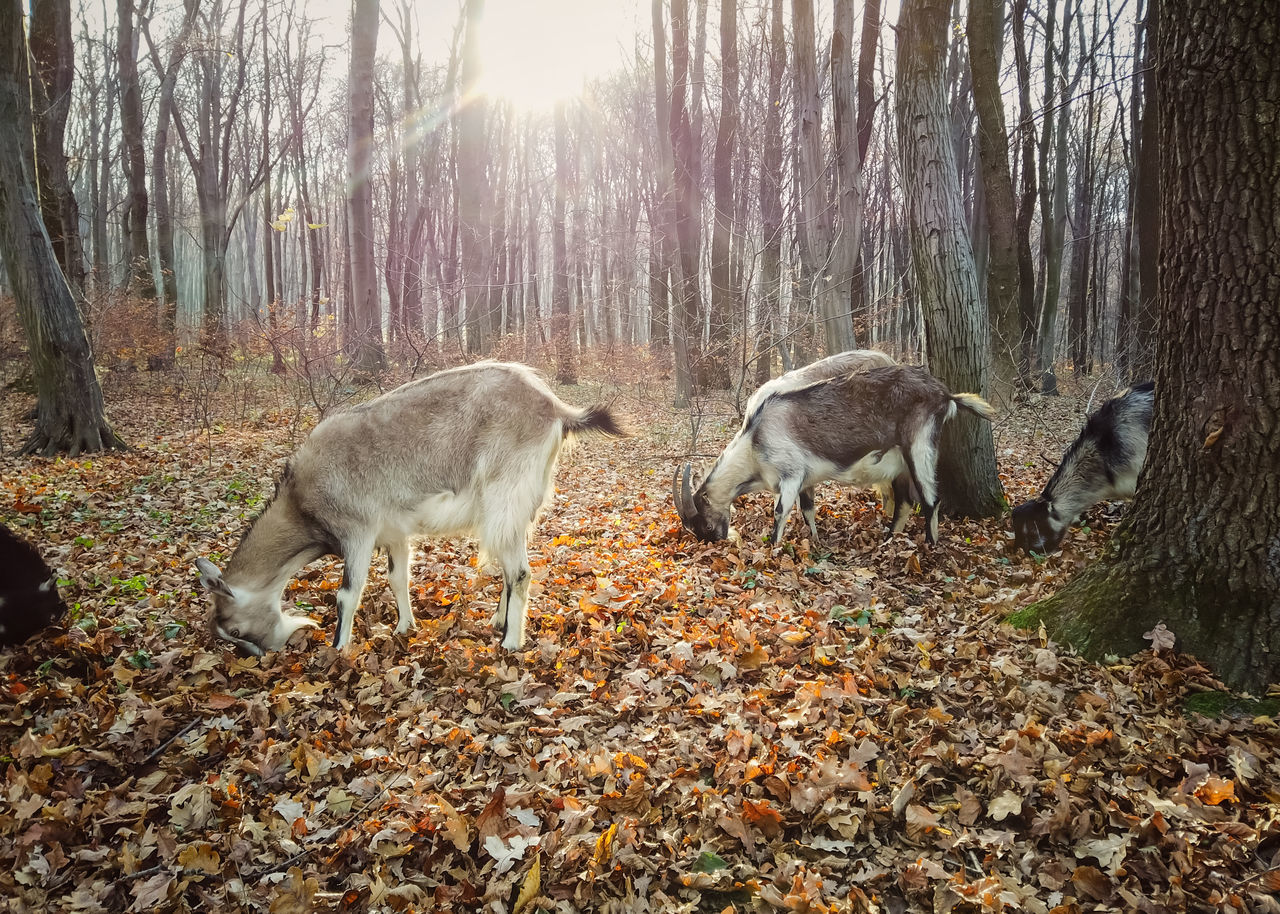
(29, 598)
(467, 451)
(832, 366)
(1103, 463)
(874, 427)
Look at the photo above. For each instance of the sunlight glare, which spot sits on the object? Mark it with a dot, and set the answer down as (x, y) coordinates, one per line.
(537, 52)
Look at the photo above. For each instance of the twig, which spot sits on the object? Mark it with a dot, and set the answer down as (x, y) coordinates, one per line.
(165, 745)
(306, 851)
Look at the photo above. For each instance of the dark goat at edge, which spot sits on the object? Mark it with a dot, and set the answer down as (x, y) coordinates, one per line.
(29, 598)
(1102, 463)
(866, 428)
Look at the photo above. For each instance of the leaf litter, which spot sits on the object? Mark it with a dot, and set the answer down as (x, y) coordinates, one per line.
(834, 726)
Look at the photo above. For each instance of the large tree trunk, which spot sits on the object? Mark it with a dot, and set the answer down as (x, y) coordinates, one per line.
(955, 322)
(985, 34)
(1196, 549)
(368, 355)
(69, 410)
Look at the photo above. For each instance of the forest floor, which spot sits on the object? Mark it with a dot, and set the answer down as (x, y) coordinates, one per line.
(843, 726)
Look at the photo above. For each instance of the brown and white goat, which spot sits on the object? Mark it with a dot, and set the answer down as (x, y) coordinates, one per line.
(467, 451)
(832, 366)
(1102, 463)
(871, 428)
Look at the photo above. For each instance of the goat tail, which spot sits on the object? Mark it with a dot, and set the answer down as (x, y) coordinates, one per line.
(593, 419)
(974, 404)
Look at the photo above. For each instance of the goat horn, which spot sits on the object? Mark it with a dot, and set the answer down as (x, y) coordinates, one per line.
(686, 490)
(675, 496)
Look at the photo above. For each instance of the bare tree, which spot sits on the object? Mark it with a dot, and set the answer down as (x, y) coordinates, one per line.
(141, 280)
(168, 73)
(366, 348)
(561, 308)
(69, 411)
(723, 294)
(985, 27)
(687, 205)
(771, 195)
(815, 215)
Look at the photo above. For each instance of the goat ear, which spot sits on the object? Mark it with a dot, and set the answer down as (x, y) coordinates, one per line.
(211, 578)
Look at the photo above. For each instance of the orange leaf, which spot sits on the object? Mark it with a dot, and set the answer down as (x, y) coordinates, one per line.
(1216, 790)
(763, 816)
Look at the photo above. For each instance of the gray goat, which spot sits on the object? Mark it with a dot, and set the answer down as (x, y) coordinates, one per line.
(866, 428)
(467, 451)
(1102, 463)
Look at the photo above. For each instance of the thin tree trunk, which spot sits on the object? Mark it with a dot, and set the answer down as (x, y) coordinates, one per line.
(561, 309)
(53, 54)
(985, 37)
(771, 183)
(687, 207)
(366, 346)
(141, 281)
(723, 294)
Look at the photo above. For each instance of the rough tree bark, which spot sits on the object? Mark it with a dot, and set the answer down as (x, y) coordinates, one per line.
(1197, 548)
(69, 411)
(942, 258)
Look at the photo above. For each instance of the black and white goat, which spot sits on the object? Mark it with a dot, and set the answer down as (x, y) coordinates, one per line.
(867, 428)
(1103, 463)
(467, 451)
(29, 598)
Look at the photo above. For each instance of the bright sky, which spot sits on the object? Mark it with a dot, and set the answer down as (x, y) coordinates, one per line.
(537, 52)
